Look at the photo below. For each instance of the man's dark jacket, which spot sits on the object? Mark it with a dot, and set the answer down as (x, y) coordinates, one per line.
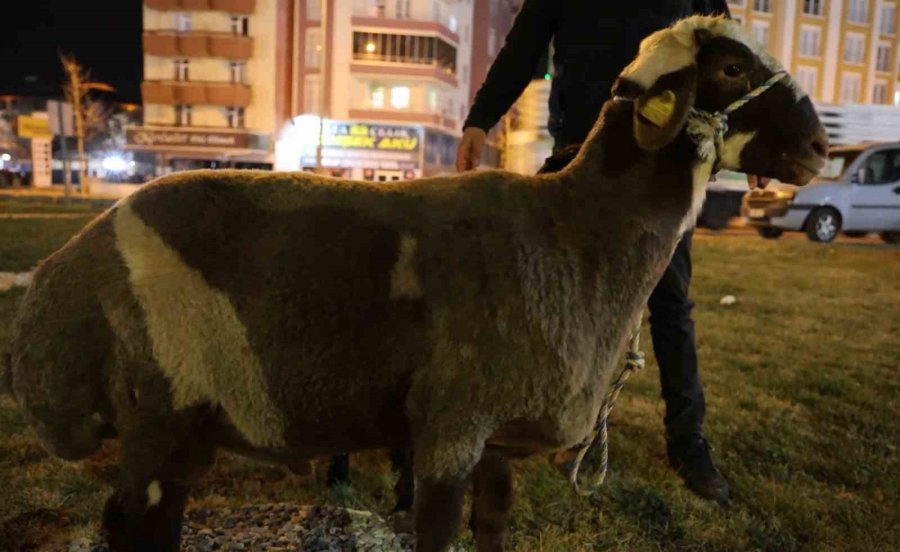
(593, 40)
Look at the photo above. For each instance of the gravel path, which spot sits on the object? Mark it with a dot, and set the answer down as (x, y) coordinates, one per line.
(277, 528)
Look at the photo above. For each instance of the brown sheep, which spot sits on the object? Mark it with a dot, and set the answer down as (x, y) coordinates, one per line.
(471, 318)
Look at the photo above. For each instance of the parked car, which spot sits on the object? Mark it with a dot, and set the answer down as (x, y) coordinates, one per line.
(723, 200)
(858, 192)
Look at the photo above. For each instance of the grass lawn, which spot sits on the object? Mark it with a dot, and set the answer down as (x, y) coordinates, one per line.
(801, 378)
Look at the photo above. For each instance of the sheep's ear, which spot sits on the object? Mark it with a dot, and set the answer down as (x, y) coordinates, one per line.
(661, 112)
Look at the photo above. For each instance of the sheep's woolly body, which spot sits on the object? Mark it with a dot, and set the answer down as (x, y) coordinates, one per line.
(198, 340)
(404, 280)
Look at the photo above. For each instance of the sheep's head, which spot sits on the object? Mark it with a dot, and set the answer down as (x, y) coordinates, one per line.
(687, 74)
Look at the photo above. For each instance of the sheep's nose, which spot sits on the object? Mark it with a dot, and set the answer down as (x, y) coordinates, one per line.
(819, 142)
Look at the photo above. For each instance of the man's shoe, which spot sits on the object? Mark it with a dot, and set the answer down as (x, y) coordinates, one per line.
(691, 459)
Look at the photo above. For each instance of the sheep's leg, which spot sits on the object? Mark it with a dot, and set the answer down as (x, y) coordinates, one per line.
(404, 489)
(439, 504)
(157, 468)
(492, 501)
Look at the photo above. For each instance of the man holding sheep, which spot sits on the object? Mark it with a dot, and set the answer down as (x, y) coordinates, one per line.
(593, 42)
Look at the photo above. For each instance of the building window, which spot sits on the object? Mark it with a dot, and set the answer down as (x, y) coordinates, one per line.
(883, 58)
(182, 69)
(492, 42)
(422, 50)
(879, 93)
(813, 7)
(810, 38)
(854, 46)
(737, 3)
(238, 70)
(240, 25)
(806, 79)
(762, 6)
(235, 117)
(888, 18)
(761, 33)
(314, 10)
(312, 95)
(850, 84)
(313, 48)
(377, 97)
(858, 11)
(183, 115)
(182, 22)
(432, 100)
(400, 97)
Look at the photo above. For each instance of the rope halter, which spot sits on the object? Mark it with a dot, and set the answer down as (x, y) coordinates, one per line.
(707, 129)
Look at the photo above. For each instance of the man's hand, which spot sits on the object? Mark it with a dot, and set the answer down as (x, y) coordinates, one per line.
(755, 181)
(468, 154)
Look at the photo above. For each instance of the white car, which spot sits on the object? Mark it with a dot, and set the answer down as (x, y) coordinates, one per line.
(858, 192)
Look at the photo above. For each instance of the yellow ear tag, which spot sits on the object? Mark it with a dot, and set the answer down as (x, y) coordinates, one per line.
(658, 109)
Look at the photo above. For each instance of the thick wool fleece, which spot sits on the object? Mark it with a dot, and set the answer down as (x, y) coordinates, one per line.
(317, 316)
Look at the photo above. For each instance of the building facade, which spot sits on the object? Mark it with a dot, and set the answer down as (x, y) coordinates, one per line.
(383, 85)
(839, 51)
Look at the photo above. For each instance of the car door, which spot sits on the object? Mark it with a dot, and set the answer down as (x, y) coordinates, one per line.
(875, 201)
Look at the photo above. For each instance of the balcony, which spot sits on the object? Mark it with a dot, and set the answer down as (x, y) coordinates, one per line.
(195, 93)
(402, 116)
(245, 7)
(169, 43)
(410, 70)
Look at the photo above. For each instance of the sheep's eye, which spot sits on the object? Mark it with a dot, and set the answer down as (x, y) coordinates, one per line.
(733, 70)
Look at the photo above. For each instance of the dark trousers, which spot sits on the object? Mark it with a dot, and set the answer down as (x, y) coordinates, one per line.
(672, 330)
(675, 347)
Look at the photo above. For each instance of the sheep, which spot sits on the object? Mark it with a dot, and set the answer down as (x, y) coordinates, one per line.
(472, 318)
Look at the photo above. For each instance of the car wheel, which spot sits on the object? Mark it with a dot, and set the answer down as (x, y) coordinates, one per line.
(823, 225)
(891, 237)
(855, 234)
(770, 232)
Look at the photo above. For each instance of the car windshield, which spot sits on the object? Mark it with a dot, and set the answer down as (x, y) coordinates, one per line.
(838, 161)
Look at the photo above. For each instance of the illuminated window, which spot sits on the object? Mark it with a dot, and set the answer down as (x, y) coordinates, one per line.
(377, 97)
(400, 97)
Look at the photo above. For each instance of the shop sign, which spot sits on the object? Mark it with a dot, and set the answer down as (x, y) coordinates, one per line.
(370, 137)
(33, 127)
(161, 138)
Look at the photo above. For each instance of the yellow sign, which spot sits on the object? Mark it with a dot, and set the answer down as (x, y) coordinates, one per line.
(371, 137)
(34, 127)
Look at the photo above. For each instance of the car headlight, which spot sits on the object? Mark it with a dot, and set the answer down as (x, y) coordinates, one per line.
(784, 194)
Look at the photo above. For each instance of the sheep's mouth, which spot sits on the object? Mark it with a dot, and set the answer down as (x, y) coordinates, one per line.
(806, 169)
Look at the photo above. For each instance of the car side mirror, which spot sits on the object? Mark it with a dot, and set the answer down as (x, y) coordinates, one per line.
(859, 177)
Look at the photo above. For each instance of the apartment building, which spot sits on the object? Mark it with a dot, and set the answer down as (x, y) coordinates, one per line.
(839, 51)
(383, 85)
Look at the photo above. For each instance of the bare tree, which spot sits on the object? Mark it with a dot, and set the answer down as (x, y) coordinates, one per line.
(89, 113)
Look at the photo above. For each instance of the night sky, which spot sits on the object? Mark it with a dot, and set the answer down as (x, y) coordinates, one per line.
(104, 35)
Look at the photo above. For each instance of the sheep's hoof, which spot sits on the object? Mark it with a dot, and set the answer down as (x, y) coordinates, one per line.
(403, 522)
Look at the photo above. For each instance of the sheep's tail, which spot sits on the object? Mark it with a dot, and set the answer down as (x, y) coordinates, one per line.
(6, 374)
